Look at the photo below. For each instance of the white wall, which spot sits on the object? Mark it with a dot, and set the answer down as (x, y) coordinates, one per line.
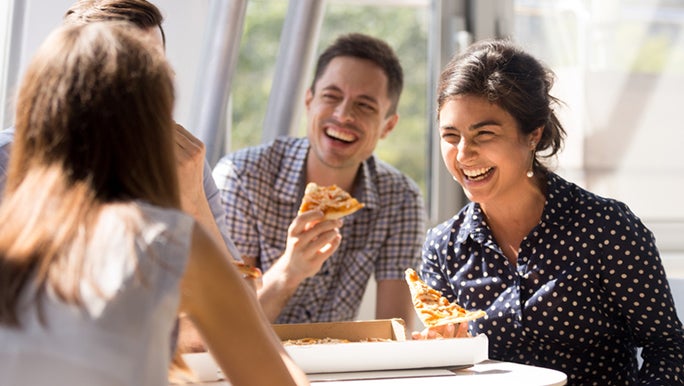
(184, 22)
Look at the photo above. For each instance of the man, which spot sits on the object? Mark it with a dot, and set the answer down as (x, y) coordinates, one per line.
(316, 270)
(199, 195)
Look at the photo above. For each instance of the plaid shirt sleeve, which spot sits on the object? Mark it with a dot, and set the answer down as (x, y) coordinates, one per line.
(238, 208)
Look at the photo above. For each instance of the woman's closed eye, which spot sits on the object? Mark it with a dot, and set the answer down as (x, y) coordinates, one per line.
(484, 135)
(451, 136)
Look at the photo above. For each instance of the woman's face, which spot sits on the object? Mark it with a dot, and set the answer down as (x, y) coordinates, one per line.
(484, 150)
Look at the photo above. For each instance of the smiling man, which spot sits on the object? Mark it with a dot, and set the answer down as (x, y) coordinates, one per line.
(316, 270)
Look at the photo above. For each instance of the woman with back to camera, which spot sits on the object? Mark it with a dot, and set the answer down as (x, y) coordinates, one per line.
(569, 280)
(96, 259)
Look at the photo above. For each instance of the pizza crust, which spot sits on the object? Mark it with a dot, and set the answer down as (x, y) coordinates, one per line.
(333, 201)
(432, 308)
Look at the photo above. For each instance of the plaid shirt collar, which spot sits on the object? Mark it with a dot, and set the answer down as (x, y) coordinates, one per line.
(290, 184)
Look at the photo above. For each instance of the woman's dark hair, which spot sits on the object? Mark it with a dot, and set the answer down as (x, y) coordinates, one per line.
(514, 80)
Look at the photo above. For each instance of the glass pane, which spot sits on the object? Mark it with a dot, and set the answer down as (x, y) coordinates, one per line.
(254, 73)
(620, 67)
(403, 27)
(4, 55)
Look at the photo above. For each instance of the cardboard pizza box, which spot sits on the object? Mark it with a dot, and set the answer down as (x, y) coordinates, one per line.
(395, 352)
(356, 331)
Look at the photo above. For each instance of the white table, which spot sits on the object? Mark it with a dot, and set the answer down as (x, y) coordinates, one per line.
(482, 374)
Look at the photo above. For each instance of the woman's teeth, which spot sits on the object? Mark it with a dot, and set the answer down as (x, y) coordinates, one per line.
(476, 174)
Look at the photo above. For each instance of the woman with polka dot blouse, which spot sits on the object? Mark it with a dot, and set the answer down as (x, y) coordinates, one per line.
(569, 280)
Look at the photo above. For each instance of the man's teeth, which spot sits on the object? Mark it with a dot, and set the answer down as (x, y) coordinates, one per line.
(339, 134)
(476, 174)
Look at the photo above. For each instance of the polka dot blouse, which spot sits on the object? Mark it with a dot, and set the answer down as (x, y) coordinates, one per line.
(588, 289)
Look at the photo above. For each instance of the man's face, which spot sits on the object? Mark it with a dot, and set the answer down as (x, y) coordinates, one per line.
(347, 113)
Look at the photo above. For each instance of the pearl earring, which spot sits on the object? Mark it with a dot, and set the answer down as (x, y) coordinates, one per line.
(530, 173)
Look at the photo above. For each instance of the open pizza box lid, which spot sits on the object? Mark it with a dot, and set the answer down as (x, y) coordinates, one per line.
(386, 329)
(395, 353)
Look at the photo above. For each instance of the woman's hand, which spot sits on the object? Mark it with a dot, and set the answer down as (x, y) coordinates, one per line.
(190, 153)
(449, 330)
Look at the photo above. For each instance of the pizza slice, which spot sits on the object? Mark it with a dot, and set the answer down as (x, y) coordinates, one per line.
(247, 270)
(331, 200)
(432, 308)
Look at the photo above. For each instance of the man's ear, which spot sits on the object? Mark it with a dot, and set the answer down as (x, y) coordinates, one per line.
(308, 98)
(390, 123)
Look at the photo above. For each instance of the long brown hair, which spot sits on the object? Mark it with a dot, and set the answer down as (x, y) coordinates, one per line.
(142, 13)
(93, 127)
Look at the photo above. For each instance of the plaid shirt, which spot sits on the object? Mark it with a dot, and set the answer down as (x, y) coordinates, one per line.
(262, 187)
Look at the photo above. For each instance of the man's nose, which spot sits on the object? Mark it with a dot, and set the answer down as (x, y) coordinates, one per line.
(344, 111)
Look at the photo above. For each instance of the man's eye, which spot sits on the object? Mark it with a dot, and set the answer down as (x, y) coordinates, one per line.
(450, 137)
(366, 107)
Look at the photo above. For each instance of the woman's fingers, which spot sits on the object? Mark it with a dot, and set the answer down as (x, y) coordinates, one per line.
(449, 330)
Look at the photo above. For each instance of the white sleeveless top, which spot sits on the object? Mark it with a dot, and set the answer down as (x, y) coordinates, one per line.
(123, 339)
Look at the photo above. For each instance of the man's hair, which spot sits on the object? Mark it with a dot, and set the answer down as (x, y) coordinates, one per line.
(141, 13)
(362, 46)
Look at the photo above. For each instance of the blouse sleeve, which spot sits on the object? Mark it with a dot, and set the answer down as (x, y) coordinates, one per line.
(214, 199)
(432, 261)
(636, 283)
(239, 218)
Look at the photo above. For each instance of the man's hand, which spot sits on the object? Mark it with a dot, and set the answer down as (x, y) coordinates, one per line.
(190, 153)
(310, 242)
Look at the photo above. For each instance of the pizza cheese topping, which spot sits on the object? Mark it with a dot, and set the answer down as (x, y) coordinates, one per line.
(331, 200)
(432, 308)
(312, 341)
(247, 270)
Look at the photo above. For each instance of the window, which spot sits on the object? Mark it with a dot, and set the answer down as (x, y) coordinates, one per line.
(405, 148)
(5, 24)
(620, 69)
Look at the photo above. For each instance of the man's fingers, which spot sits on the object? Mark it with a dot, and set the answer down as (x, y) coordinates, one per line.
(321, 243)
(312, 222)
